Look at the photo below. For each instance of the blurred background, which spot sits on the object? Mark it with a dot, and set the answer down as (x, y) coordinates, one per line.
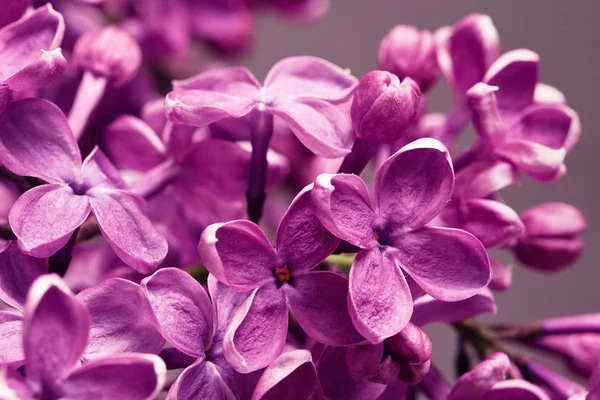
(565, 35)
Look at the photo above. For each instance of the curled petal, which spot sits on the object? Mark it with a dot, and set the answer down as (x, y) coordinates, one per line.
(428, 309)
(55, 331)
(487, 122)
(127, 229)
(343, 205)
(225, 301)
(291, 376)
(540, 162)
(120, 319)
(414, 185)
(501, 275)
(449, 264)
(49, 66)
(306, 76)
(319, 301)
(11, 339)
(127, 377)
(182, 308)
(483, 178)
(380, 302)
(257, 331)
(546, 94)
(554, 219)
(475, 383)
(238, 254)
(302, 241)
(200, 380)
(17, 273)
(44, 218)
(516, 389)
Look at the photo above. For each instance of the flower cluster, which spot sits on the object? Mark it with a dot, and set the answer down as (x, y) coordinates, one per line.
(225, 238)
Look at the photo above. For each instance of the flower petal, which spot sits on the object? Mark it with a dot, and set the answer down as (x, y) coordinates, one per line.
(501, 275)
(43, 146)
(414, 184)
(49, 66)
(363, 360)
(483, 178)
(554, 219)
(291, 376)
(516, 73)
(449, 264)
(97, 170)
(540, 162)
(13, 384)
(428, 309)
(343, 205)
(12, 11)
(257, 331)
(487, 122)
(475, 383)
(302, 241)
(11, 339)
(182, 309)
(200, 380)
(132, 144)
(380, 302)
(306, 76)
(319, 301)
(225, 301)
(516, 389)
(322, 127)
(238, 254)
(55, 332)
(21, 41)
(127, 229)
(44, 218)
(121, 320)
(126, 377)
(17, 273)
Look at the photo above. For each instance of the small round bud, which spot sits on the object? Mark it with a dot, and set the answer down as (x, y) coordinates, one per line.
(383, 108)
(109, 52)
(408, 52)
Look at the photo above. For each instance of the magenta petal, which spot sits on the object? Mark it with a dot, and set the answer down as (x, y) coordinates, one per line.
(127, 229)
(55, 331)
(11, 339)
(43, 146)
(13, 10)
(49, 66)
(44, 218)
(302, 241)
(257, 331)
(306, 76)
(292, 376)
(517, 389)
(380, 302)
(516, 73)
(501, 275)
(319, 301)
(97, 170)
(540, 162)
(414, 185)
(475, 383)
(427, 309)
(363, 360)
(554, 219)
(200, 380)
(13, 384)
(487, 122)
(238, 254)
(225, 301)
(322, 127)
(132, 144)
(182, 309)
(126, 377)
(484, 178)
(449, 264)
(343, 205)
(17, 273)
(22, 41)
(121, 320)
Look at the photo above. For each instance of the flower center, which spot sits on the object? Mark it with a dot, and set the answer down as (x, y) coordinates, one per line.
(283, 274)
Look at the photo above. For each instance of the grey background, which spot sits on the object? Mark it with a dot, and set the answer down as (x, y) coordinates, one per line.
(564, 34)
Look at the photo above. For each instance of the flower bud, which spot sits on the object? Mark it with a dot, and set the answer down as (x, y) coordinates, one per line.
(383, 108)
(408, 52)
(109, 52)
(552, 236)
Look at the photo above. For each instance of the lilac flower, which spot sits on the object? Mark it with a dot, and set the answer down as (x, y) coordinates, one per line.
(411, 188)
(22, 67)
(580, 351)
(552, 239)
(35, 140)
(55, 334)
(239, 254)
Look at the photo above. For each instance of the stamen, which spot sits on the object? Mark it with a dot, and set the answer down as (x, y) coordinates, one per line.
(283, 274)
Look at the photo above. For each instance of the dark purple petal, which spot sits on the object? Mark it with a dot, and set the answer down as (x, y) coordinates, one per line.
(200, 380)
(44, 218)
(380, 302)
(549, 253)
(292, 376)
(414, 185)
(13, 10)
(11, 339)
(257, 331)
(343, 205)
(121, 320)
(55, 332)
(319, 301)
(17, 273)
(449, 264)
(475, 383)
(427, 309)
(182, 309)
(306, 76)
(127, 377)
(302, 241)
(238, 254)
(128, 230)
(363, 360)
(43, 146)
